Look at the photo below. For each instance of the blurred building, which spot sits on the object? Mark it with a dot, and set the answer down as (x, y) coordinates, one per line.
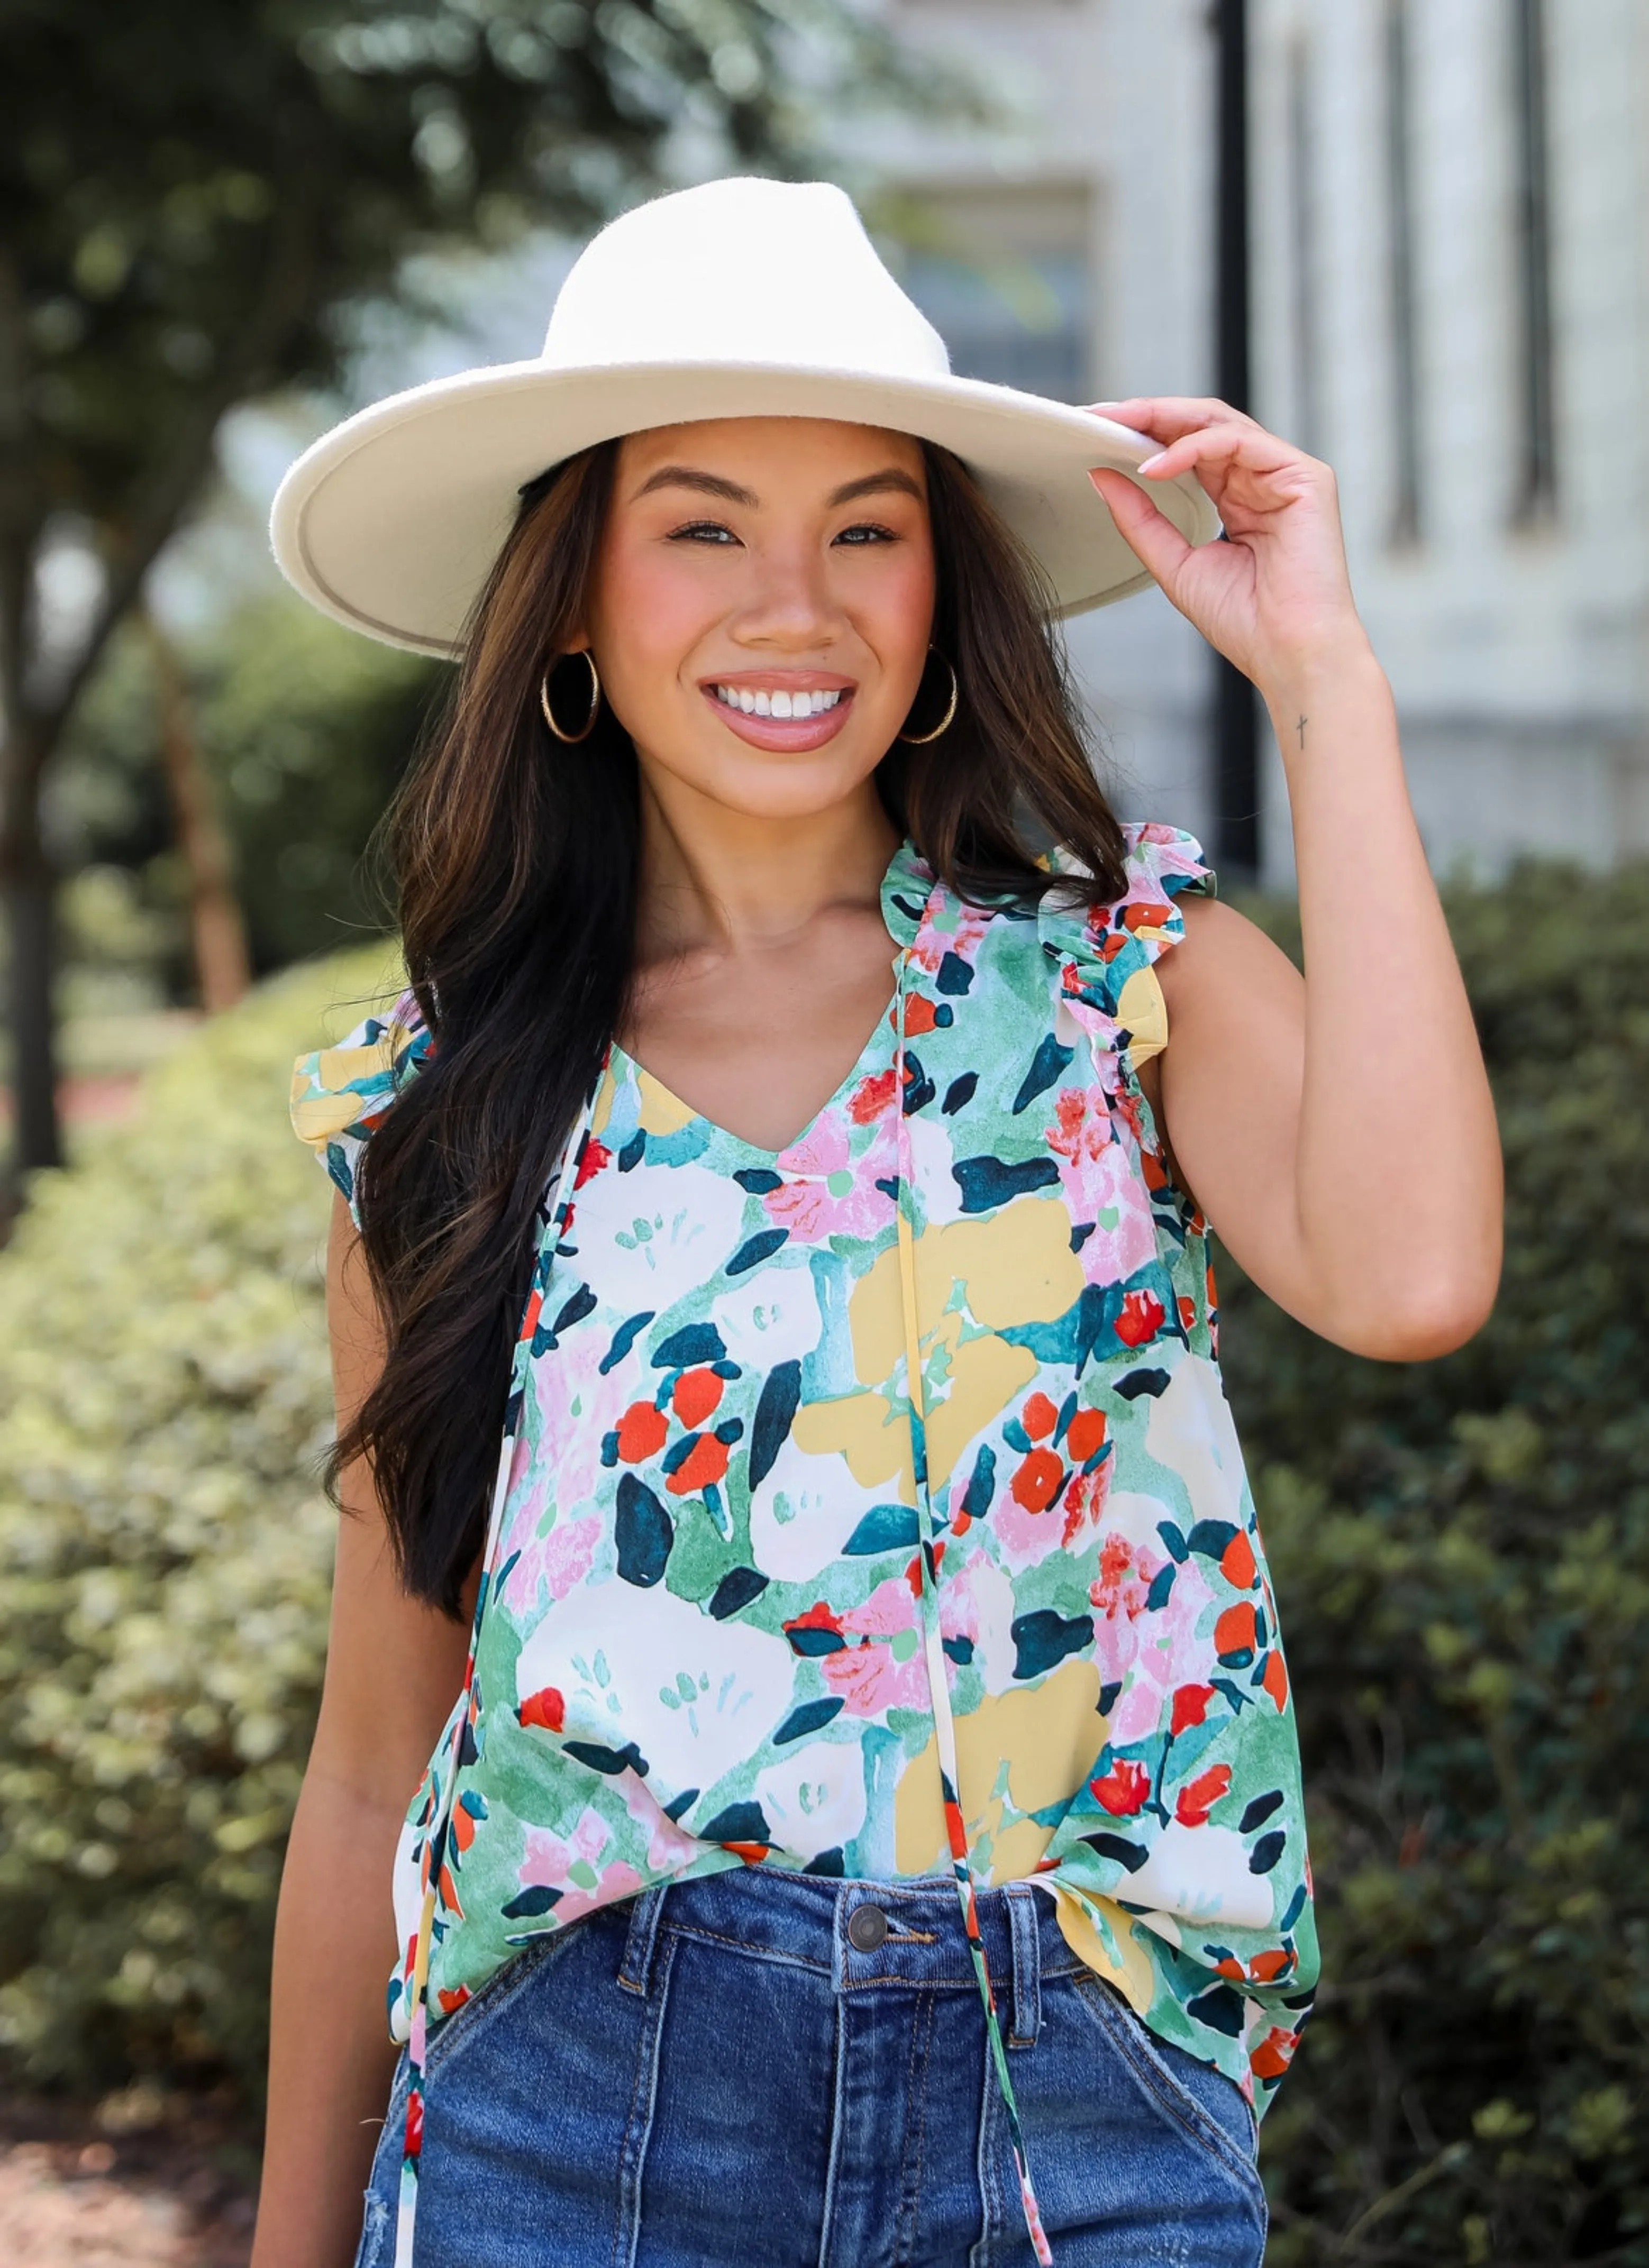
(1450, 242)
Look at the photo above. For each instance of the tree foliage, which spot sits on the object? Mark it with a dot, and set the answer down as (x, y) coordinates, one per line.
(195, 199)
(304, 730)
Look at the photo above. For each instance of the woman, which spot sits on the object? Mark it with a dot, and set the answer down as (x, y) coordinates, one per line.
(864, 1824)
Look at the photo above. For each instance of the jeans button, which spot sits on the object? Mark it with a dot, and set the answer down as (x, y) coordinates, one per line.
(867, 1925)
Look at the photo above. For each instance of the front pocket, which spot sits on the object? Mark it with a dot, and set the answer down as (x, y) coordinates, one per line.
(501, 1990)
(1154, 2072)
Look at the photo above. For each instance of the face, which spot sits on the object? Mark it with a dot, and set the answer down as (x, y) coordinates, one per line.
(763, 604)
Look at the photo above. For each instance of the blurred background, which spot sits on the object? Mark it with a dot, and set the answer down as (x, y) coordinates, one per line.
(1412, 234)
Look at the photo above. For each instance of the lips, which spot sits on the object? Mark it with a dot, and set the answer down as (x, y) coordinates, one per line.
(794, 713)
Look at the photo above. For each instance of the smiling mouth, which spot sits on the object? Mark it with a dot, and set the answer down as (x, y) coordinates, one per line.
(775, 700)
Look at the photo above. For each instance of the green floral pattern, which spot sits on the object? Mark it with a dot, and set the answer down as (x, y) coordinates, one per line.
(701, 1640)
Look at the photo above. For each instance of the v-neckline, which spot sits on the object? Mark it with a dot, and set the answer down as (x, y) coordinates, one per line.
(862, 1063)
(901, 924)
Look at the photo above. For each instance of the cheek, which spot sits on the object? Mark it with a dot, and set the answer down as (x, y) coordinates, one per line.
(650, 612)
(896, 615)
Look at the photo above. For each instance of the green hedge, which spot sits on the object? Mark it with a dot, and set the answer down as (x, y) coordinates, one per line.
(1461, 1549)
(1462, 1553)
(164, 1558)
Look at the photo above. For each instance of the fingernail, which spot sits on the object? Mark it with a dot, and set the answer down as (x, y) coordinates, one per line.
(1150, 464)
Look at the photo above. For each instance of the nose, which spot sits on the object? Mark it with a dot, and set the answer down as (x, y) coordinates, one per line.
(790, 607)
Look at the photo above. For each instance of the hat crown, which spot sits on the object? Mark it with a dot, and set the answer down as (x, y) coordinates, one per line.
(776, 274)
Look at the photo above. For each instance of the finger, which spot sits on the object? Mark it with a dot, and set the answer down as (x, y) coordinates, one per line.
(1165, 418)
(1221, 448)
(1149, 534)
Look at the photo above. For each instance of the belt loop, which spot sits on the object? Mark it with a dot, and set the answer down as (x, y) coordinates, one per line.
(635, 1970)
(1027, 1972)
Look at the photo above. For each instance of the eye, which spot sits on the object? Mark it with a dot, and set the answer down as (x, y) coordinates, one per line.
(867, 531)
(703, 531)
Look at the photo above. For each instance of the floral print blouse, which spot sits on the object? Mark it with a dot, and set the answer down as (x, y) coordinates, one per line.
(872, 1507)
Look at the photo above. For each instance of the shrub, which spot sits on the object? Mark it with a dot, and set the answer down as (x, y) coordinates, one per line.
(1462, 1553)
(165, 1558)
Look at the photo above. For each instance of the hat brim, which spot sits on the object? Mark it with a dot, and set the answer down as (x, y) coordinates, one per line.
(391, 523)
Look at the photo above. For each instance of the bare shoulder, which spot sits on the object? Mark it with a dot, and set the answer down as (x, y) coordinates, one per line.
(1224, 969)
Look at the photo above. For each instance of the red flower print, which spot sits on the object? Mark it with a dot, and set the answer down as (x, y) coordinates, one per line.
(913, 1573)
(1124, 1789)
(529, 1321)
(1085, 1436)
(641, 1431)
(415, 2124)
(451, 2002)
(1266, 1968)
(1141, 1318)
(1198, 1798)
(1275, 1679)
(463, 1829)
(1276, 2052)
(921, 1015)
(696, 1395)
(819, 1615)
(706, 1462)
(1084, 1500)
(596, 1154)
(1147, 914)
(1038, 1416)
(1236, 1562)
(546, 1707)
(1190, 1706)
(870, 1097)
(1036, 1483)
(1188, 1310)
(1235, 1633)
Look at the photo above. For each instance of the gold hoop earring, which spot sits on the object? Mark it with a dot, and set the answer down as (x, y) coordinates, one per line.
(921, 740)
(571, 739)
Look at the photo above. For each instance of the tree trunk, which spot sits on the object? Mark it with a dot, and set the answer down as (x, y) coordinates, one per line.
(217, 931)
(28, 888)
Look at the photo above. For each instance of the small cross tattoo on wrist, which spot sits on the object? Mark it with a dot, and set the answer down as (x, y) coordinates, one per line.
(1300, 729)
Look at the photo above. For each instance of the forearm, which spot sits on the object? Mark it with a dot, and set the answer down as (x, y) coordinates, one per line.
(330, 2059)
(1396, 1165)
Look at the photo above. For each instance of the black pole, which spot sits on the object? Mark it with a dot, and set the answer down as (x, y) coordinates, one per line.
(1235, 752)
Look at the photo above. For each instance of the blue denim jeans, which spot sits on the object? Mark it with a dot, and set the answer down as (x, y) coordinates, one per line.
(725, 2071)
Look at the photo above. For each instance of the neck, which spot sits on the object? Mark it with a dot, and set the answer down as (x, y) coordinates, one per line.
(728, 882)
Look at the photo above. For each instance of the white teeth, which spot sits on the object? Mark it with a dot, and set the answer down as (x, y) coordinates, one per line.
(779, 704)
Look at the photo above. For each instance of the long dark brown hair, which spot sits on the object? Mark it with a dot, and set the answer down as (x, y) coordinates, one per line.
(515, 861)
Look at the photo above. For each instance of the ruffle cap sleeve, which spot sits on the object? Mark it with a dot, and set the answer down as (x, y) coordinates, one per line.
(1106, 954)
(340, 1094)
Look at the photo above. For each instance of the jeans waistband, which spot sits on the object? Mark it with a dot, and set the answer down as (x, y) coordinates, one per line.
(865, 1936)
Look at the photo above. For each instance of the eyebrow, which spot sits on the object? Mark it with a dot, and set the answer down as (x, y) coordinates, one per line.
(891, 479)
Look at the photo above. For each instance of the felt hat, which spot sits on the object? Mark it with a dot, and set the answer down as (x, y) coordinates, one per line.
(739, 299)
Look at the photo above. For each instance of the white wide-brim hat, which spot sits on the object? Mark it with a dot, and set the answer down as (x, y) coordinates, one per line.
(741, 298)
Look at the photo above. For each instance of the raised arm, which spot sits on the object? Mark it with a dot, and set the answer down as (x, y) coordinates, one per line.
(393, 1668)
(1337, 1131)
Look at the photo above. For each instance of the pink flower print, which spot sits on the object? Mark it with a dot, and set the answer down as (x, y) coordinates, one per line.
(930, 945)
(572, 1869)
(885, 1669)
(1026, 1531)
(1164, 1653)
(823, 1194)
(559, 1562)
(1097, 1175)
